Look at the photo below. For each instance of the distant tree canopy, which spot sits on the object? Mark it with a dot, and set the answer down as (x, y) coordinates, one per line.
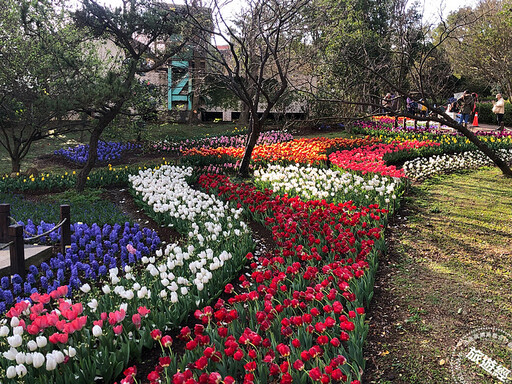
(482, 50)
(39, 52)
(58, 63)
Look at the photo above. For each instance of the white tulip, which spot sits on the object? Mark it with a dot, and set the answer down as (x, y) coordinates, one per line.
(20, 358)
(85, 288)
(71, 352)
(59, 356)
(11, 372)
(11, 354)
(21, 370)
(15, 322)
(106, 289)
(51, 364)
(15, 341)
(4, 331)
(38, 360)
(93, 304)
(29, 358)
(97, 331)
(32, 345)
(41, 341)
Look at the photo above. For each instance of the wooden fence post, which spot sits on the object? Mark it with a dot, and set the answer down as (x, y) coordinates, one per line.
(17, 250)
(5, 212)
(65, 230)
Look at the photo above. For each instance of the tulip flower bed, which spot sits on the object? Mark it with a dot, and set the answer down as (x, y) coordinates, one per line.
(312, 183)
(93, 251)
(218, 239)
(369, 159)
(300, 313)
(160, 291)
(107, 151)
(235, 141)
(422, 168)
(386, 126)
(168, 198)
(303, 151)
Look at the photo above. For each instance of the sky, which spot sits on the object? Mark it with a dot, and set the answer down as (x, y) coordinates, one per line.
(432, 8)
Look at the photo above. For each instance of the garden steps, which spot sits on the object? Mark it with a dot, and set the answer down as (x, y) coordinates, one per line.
(34, 255)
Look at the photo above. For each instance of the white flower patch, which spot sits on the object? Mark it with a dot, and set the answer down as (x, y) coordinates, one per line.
(318, 183)
(218, 240)
(205, 218)
(423, 167)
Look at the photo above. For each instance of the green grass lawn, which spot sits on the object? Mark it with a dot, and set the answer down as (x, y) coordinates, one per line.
(88, 207)
(152, 132)
(448, 271)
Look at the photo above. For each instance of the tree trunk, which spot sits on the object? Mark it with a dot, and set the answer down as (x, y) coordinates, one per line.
(244, 115)
(91, 159)
(254, 133)
(15, 164)
(502, 165)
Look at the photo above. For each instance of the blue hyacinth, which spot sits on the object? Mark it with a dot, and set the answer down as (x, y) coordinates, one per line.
(94, 250)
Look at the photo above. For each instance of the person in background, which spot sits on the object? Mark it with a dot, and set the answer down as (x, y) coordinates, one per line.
(466, 104)
(387, 103)
(412, 106)
(499, 110)
(475, 100)
(422, 109)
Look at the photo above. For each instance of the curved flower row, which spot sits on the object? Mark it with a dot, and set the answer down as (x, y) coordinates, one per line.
(236, 141)
(312, 183)
(421, 168)
(301, 302)
(203, 218)
(304, 151)
(107, 151)
(369, 159)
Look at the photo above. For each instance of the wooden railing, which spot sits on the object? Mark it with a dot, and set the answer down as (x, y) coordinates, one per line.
(13, 236)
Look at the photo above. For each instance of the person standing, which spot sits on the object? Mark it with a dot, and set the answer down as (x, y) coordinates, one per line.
(387, 103)
(473, 112)
(499, 110)
(466, 104)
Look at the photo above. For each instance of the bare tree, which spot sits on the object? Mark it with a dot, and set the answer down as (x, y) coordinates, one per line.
(260, 57)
